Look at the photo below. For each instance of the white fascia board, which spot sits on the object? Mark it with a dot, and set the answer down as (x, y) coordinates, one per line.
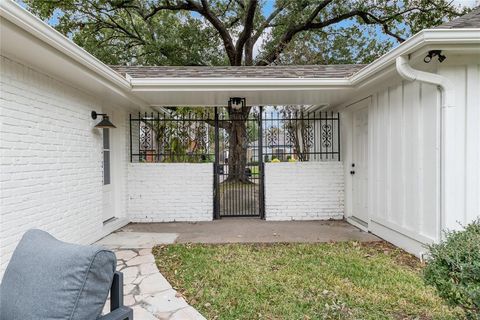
(220, 84)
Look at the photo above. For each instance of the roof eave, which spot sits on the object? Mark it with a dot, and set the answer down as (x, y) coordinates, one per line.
(166, 84)
(416, 43)
(34, 26)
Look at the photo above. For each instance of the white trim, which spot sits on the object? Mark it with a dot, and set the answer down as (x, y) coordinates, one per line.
(222, 84)
(399, 239)
(357, 224)
(406, 232)
(109, 227)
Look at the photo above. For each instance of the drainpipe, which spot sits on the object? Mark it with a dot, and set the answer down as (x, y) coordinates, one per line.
(448, 153)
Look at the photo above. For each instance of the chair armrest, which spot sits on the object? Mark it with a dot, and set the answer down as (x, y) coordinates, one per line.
(116, 291)
(122, 313)
(117, 310)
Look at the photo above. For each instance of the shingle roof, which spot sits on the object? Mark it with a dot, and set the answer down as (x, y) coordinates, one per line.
(285, 71)
(469, 20)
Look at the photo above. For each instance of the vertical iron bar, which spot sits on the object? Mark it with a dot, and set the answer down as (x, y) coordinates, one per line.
(321, 135)
(139, 135)
(216, 189)
(131, 151)
(338, 135)
(261, 203)
(315, 157)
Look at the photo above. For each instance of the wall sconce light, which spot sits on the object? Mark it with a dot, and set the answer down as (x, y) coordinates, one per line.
(105, 123)
(236, 103)
(434, 53)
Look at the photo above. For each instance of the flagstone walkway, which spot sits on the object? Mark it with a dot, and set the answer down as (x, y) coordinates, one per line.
(146, 291)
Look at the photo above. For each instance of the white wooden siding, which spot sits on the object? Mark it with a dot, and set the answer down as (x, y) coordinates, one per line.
(404, 156)
(465, 74)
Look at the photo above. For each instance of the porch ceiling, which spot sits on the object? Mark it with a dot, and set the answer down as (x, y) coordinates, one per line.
(260, 94)
(214, 85)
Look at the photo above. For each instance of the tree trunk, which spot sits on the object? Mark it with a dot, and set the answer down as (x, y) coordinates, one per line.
(238, 144)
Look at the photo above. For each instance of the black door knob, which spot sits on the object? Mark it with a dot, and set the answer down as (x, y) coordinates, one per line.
(352, 172)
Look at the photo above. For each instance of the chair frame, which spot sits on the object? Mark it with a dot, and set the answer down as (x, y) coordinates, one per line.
(117, 310)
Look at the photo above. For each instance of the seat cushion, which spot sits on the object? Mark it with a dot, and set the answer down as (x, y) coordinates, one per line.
(50, 279)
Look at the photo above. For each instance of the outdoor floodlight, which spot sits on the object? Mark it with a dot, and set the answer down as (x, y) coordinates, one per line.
(105, 123)
(434, 53)
(236, 103)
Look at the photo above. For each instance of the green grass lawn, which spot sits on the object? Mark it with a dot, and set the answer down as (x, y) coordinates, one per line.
(301, 281)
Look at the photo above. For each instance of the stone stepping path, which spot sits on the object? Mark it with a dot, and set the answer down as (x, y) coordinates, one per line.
(147, 291)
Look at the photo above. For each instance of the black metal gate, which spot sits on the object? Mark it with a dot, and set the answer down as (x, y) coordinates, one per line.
(238, 193)
(287, 134)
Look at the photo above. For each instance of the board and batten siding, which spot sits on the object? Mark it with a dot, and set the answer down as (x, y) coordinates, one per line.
(404, 164)
(464, 72)
(404, 182)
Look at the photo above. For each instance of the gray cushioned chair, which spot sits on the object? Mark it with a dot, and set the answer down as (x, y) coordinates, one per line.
(50, 279)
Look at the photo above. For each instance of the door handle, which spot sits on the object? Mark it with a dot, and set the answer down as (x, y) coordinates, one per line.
(352, 172)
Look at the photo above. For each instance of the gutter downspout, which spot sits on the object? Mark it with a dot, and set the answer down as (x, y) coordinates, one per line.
(448, 153)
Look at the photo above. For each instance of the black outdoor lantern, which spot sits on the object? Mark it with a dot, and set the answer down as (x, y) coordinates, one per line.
(105, 123)
(237, 103)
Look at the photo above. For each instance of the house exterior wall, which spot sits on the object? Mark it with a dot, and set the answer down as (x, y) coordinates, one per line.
(464, 73)
(304, 190)
(404, 156)
(51, 160)
(166, 192)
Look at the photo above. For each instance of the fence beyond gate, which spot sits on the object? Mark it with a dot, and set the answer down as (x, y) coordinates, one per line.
(238, 155)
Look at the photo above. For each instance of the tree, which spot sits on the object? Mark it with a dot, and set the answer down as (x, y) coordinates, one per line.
(241, 32)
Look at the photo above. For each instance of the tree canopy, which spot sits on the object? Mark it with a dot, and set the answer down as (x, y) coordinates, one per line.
(240, 32)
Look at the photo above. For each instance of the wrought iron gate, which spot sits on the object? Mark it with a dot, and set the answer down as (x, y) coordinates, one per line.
(270, 135)
(238, 193)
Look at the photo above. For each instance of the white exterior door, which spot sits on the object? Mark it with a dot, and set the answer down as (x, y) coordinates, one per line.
(108, 192)
(359, 166)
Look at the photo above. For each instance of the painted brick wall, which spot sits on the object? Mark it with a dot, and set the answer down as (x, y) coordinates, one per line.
(304, 191)
(164, 192)
(50, 159)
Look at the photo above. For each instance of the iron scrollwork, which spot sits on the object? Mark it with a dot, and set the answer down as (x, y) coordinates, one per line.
(327, 135)
(146, 137)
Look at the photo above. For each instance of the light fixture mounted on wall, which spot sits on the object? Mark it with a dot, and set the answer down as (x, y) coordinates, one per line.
(237, 103)
(105, 123)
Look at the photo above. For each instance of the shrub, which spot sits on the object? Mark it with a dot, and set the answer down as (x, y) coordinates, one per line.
(454, 269)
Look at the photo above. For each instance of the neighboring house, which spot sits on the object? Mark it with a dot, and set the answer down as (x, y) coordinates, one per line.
(278, 149)
(410, 138)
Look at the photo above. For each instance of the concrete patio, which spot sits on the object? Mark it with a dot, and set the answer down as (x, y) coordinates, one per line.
(250, 230)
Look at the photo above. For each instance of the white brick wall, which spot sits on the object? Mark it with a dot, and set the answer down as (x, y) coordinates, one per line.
(304, 191)
(164, 192)
(50, 159)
